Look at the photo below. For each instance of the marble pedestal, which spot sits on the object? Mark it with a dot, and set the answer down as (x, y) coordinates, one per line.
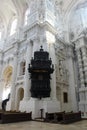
(35, 106)
(10, 105)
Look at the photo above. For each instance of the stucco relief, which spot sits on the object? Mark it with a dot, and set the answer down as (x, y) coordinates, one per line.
(41, 16)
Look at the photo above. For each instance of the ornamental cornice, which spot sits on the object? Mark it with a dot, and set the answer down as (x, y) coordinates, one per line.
(36, 38)
(78, 38)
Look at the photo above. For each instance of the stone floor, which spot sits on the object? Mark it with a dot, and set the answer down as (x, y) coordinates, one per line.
(32, 125)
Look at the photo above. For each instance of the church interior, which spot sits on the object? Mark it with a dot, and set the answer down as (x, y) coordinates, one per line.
(43, 58)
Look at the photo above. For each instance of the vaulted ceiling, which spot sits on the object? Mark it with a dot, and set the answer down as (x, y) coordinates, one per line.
(15, 7)
(10, 8)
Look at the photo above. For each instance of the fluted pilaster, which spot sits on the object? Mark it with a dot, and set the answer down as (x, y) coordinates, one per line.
(27, 82)
(53, 76)
(14, 75)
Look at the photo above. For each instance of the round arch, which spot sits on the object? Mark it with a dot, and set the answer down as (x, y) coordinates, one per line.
(7, 79)
(68, 15)
(20, 96)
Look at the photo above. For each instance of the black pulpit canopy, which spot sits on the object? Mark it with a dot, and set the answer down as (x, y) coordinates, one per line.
(40, 69)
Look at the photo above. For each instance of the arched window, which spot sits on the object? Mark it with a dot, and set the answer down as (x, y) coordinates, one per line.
(26, 16)
(13, 27)
(22, 68)
(7, 76)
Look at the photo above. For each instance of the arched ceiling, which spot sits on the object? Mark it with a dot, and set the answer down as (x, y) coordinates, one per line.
(78, 20)
(14, 7)
(10, 8)
(7, 9)
(68, 8)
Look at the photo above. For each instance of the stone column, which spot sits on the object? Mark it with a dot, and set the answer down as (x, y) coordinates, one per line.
(1, 79)
(53, 76)
(27, 82)
(0, 68)
(11, 103)
(80, 68)
(84, 55)
(72, 84)
(85, 64)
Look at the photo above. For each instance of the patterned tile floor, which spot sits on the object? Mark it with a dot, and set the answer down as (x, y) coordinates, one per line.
(32, 125)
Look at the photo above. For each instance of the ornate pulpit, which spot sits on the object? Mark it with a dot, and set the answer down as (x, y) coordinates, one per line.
(40, 69)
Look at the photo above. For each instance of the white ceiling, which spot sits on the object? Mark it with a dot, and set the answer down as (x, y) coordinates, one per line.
(13, 7)
(9, 8)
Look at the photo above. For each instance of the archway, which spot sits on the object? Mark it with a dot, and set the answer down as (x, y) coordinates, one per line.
(7, 78)
(79, 14)
(20, 95)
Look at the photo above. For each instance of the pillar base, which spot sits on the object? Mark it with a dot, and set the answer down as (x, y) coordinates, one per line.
(10, 105)
(22, 106)
(35, 106)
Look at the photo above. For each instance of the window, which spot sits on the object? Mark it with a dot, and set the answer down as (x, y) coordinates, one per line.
(22, 68)
(13, 27)
(26, 16)
(65, 97)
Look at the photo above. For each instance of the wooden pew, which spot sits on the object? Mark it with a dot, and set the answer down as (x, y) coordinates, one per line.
(62, 117)
(54, 117)
(71, 117)
(58, 116)
(49, 117)
(8, 117)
